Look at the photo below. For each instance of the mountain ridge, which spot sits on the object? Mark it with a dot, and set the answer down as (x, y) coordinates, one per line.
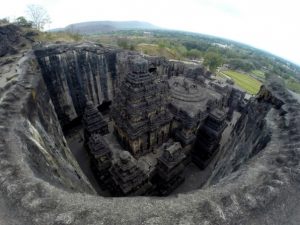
(93, 27)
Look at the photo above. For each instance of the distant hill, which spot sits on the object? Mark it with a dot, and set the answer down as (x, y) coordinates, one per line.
(94, 27)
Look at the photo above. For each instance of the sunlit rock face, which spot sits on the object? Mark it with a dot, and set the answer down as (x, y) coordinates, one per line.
(256, 182)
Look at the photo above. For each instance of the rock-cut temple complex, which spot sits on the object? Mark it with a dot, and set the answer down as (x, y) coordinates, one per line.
(161, 125)
(78, 120)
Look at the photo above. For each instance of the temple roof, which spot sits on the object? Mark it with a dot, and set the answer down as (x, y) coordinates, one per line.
(172, 154)
(219, 114)
(190, 97)
(98, 146)
(92, 115)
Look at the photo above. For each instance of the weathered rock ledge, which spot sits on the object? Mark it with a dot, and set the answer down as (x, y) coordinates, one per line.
(41, 183)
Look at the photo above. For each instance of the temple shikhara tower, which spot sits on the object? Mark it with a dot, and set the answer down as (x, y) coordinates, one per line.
(141, 118)
(93, 121)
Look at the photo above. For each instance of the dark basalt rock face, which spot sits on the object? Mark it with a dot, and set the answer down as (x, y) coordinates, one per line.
(9, 36)
(38, 131)
(12, 39)
(41, 183)
(249, 136)
(73, 72)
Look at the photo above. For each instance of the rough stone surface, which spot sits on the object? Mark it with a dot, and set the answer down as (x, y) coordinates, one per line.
(40, 184)
(12, 39)
(9, 36)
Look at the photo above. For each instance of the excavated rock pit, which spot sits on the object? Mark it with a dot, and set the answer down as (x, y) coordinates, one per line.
(254, 181)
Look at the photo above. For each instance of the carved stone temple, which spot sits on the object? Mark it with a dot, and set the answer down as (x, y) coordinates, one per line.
(128, 178)
(209, 136)
(159, 126)
(170, 168)
(93, 121)
(191, 104)
(101, 159)
(140, 114)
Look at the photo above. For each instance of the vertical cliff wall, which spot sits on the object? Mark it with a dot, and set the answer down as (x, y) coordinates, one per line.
(33, 134)
(73, 73)
(249, 136)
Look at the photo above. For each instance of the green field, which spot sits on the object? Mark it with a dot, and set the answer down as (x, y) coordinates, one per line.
(293, 85)
(244, 81)
(259, 74)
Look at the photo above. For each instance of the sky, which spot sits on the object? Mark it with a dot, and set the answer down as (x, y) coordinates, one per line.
(271, 25)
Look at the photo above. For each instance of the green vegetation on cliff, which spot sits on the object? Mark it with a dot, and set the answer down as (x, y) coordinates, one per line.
(244, 81)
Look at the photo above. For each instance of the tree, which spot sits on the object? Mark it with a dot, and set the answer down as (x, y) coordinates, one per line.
(181, 49)
(4, 21)
(38, 15)
(21, 21)
(123, 43)
(241, 64)
(193, 54)
(212, 60)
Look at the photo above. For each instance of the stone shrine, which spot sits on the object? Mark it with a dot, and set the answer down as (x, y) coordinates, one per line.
(101, 159)
(190, 104)
(140, 114)
(128, 178)
(93, 121)
(170, 168)
(209, 136)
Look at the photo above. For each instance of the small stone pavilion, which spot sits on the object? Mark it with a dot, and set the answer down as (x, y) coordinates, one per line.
(93, 121)
(170, 168)
(128, 178)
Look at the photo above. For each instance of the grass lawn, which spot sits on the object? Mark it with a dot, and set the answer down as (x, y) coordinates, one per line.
(246, 82)
(259, 74)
